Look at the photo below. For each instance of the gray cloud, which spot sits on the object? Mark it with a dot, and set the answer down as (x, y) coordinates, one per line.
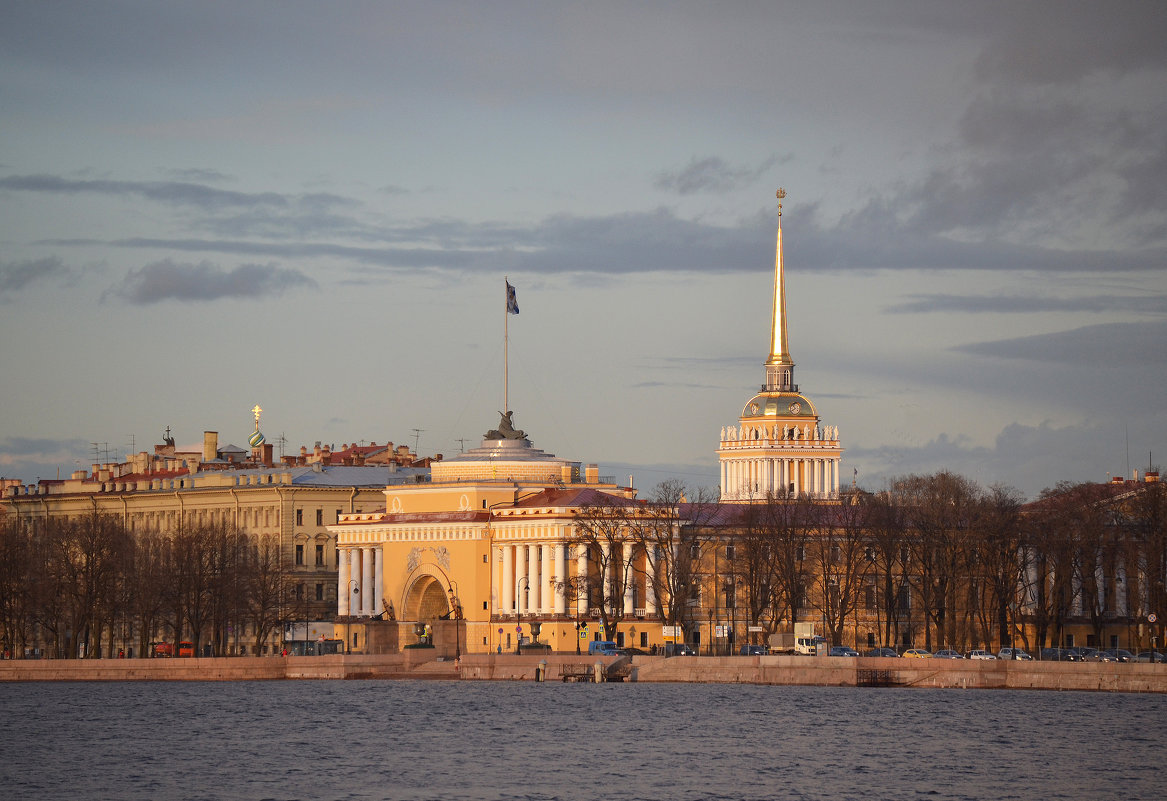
(632, 242)
(1029, 457)
(709, 174)
(167, 280)
(18, 275)
(1110, 344)
(1062, 43)
(177, 193)
(1013, 304)
(200, 174)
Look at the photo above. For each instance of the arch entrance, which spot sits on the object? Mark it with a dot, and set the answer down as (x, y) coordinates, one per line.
(426, 600)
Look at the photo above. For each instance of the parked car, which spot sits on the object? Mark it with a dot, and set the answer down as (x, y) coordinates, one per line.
(1120, 655)
(1060, 655)
(678, 649)
(1150, 656)
(162, 649)
(842, 650)
(1094, 655)
(980, 653)
(947, 653)
(753, 650)
(917, 653)
(1014, 653)
(885, 652)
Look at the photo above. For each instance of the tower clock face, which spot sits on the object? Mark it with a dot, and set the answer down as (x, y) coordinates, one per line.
(794, 408)
(754, 408)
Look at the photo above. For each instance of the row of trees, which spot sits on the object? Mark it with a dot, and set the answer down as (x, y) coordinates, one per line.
(84, 587)
(936, 558)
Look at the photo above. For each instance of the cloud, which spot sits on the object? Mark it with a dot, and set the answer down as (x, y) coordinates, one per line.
(1110, 344)
(709, 174)
(1013, 304)
(179, 193)
(1063, 43)
(27, 458)
(167, 280)
(18, 275)
(199, 174)
(1029, 457)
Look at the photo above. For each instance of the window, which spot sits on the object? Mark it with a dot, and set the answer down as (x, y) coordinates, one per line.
(299, 555)
(299, 517)
(869, 597)
(319, 592)
(338, 514)
(320, 556)
(320, 517)
(729, 552)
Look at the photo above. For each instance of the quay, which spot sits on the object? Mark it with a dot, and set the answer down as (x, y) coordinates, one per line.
(767, 670)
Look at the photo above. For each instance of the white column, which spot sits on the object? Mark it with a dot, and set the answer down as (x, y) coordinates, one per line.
(560, 579)
(532, 578)
(507, 586)
(547, 583)
(581, 574)
(650, 570)
(378, 580)
(629, 577)
(606, 587)
(367, 589)
(344, 591)
(354, 575)
(520, 571)
(495, 579)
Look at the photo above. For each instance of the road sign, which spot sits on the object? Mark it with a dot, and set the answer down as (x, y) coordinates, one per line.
(1152, 618)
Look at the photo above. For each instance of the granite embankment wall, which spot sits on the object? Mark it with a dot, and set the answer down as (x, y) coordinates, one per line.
(778, 670)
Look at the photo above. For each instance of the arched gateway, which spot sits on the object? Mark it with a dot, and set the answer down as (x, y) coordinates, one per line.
(426, 599)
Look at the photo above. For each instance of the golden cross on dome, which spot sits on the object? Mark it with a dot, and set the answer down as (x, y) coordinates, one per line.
(256, 411)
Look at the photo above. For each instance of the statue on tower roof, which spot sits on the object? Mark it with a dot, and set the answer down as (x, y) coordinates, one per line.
(505, 429)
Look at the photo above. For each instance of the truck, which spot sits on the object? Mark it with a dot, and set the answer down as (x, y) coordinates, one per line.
(602, 648)
(797, 639)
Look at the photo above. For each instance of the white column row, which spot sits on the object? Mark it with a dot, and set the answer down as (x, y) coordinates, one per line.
(754, 478)
(361, 581)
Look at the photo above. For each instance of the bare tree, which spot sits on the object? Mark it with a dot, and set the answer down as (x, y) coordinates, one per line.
(838, 544)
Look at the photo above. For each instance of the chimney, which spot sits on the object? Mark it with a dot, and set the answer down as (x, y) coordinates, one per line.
(210, 445)
(267, 454)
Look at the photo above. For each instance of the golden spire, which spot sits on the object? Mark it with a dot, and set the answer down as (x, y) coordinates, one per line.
(779, 347)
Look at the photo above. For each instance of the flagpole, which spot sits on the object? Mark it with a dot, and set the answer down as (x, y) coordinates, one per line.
(506, 313)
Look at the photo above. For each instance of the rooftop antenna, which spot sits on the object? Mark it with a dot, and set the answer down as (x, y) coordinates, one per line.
(281, 440)
(416, 436)
(1127, 437)
(461, 445)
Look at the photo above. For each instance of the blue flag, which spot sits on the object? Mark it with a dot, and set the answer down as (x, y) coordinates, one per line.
(512, 304)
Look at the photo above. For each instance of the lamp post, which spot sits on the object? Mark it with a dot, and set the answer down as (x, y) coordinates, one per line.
(519, 612)
(454, 614)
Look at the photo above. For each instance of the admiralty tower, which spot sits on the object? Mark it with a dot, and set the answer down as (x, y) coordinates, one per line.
(779, 447)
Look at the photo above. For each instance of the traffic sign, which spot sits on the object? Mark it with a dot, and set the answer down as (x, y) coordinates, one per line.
(1152, 618)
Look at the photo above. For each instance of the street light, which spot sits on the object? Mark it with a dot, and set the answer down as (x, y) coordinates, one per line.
(454, 614)
(519, 612)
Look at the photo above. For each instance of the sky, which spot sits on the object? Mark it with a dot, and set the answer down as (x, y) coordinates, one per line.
(313, 207)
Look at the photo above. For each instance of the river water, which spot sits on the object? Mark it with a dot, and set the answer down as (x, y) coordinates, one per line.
(521, 740)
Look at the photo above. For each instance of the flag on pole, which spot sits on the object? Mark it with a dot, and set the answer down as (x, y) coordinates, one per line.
(512, 304)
